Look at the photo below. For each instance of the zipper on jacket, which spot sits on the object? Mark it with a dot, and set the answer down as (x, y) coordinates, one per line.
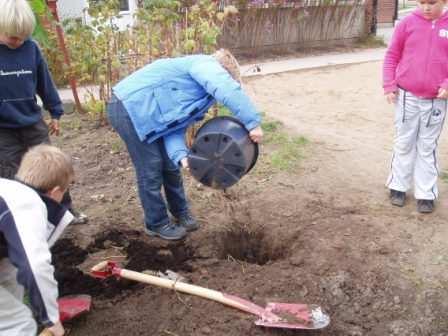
(16, 99)
(428, 50)
(430, 114)
(404, 106)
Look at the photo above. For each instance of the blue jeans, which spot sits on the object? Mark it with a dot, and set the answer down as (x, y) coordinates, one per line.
(153, 169)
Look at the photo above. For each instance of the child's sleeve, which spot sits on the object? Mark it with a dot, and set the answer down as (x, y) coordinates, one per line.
(25, 230)
(175, 145)
(218, 83)
(392, 58)
(46, 89)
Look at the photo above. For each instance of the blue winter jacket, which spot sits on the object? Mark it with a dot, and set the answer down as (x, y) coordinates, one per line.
(166, 96)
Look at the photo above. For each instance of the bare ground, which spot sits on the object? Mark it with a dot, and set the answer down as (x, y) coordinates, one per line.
(321, 233)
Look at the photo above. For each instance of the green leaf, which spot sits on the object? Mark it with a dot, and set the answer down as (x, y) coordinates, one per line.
(40, 34)
(38, 6)
(189, 46)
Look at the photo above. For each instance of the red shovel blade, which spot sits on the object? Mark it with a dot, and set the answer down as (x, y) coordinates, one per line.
(295, 316)
(284, 315)
(72, 306)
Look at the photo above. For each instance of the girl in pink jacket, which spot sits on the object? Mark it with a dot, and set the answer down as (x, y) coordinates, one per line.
(415, 79)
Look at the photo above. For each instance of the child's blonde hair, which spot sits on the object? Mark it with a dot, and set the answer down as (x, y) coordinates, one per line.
(16, 18)
(45, 167)
(228, 62)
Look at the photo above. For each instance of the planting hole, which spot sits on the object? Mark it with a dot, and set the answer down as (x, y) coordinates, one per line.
(248, 244)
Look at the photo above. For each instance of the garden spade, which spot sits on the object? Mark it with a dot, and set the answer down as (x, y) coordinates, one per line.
(276, 315)
(71, 306)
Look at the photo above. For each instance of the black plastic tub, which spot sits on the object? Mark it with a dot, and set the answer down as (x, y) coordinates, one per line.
(222, 153)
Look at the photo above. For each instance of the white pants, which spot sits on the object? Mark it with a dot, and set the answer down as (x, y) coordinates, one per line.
(15, 317)
(418, 124)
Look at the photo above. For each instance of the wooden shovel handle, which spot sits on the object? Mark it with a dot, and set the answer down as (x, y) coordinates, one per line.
(226, 299)
(99, 267)
(46, 332)
(184, 288)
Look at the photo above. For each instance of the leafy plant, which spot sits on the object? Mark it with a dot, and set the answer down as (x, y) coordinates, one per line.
(40, 10)
(96, 51)
(45, 34)
(96, 108)
(202, 27)
(102, 54)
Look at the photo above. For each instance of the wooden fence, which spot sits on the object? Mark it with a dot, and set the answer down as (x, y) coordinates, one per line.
(263, 29)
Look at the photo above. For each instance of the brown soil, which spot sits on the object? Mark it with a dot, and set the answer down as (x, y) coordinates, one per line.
(322, 233)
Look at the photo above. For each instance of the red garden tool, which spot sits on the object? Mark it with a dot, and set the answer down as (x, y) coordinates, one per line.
(71, 306)
(277, 315)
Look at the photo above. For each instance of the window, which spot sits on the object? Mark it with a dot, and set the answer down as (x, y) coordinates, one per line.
(124, 5)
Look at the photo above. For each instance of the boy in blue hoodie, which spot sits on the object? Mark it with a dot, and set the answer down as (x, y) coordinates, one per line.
(151, 110)
(23, 75)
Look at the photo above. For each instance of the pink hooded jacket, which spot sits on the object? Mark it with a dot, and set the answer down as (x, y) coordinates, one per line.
(417, 58)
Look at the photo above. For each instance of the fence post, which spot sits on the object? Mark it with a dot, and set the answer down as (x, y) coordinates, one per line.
(52, 5)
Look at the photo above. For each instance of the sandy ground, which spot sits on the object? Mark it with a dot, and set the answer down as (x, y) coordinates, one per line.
(342, 109)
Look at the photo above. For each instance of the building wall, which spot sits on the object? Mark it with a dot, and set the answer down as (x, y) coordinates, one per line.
(386, 12)
(76, 9)
(71, 8)
(382, 16)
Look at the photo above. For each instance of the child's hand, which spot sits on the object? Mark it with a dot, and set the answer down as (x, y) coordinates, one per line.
(443, 94)
(57, 329)
(184, 163)
(54, 127)
(391, 97)
(256, 134)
